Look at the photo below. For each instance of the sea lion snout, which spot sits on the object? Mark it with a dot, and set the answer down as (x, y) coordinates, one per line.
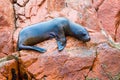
(87, 39)
(83, 35)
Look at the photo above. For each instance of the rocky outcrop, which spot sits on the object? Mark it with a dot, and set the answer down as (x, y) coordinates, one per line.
(94, 60)
(74, 62)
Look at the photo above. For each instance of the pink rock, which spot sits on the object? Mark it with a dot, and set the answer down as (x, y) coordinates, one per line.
(106, 65)
(55, 5)
(70, 64)
(6, 27)
(106, 14)
(92, 60)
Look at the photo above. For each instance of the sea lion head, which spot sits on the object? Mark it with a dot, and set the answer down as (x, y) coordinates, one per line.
(82, 34)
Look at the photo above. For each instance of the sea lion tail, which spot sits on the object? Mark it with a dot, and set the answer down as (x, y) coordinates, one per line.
(24, 47)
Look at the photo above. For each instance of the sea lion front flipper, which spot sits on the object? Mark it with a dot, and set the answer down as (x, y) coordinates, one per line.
(24, 47)
(61, 44)
(60, 37)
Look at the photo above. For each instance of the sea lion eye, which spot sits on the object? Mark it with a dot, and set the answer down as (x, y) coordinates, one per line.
(83, 34)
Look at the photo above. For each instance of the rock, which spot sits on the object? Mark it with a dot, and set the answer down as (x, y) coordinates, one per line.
(77, 59)
(9, 68)
(83, 13)
(107, 11)
(69, 64)
(55, 5)
(30, 12)
(7, 26)
(106, 65)
(117, 25)
(94, 60)
(2, 77)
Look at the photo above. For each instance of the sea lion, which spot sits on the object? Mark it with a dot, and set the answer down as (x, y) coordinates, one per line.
(56, 28)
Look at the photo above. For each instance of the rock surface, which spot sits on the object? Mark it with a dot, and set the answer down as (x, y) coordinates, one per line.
(107, 11)
(9, 68)
(94, 60)
(106, 65)
(7, 26)
(73, 63)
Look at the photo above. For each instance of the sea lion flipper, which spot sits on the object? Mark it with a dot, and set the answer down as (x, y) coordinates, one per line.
(60, 37)
(32, 48)
(39, 49)
(60, 46)
(61, 43)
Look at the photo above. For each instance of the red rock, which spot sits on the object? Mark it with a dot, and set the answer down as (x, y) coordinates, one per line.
(92, 60)
(70, 64)
(117, 25)
(55, 5)
(8, 69)
(97, 38)
(86, 17)
(6, 27)
(106, 14)
(2, 77)
(106, 65)
(97, 4)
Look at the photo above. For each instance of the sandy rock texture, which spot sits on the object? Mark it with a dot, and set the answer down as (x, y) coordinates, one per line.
(94, 60)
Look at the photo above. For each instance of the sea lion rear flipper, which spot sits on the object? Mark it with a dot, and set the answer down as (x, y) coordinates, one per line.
(32, 48)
